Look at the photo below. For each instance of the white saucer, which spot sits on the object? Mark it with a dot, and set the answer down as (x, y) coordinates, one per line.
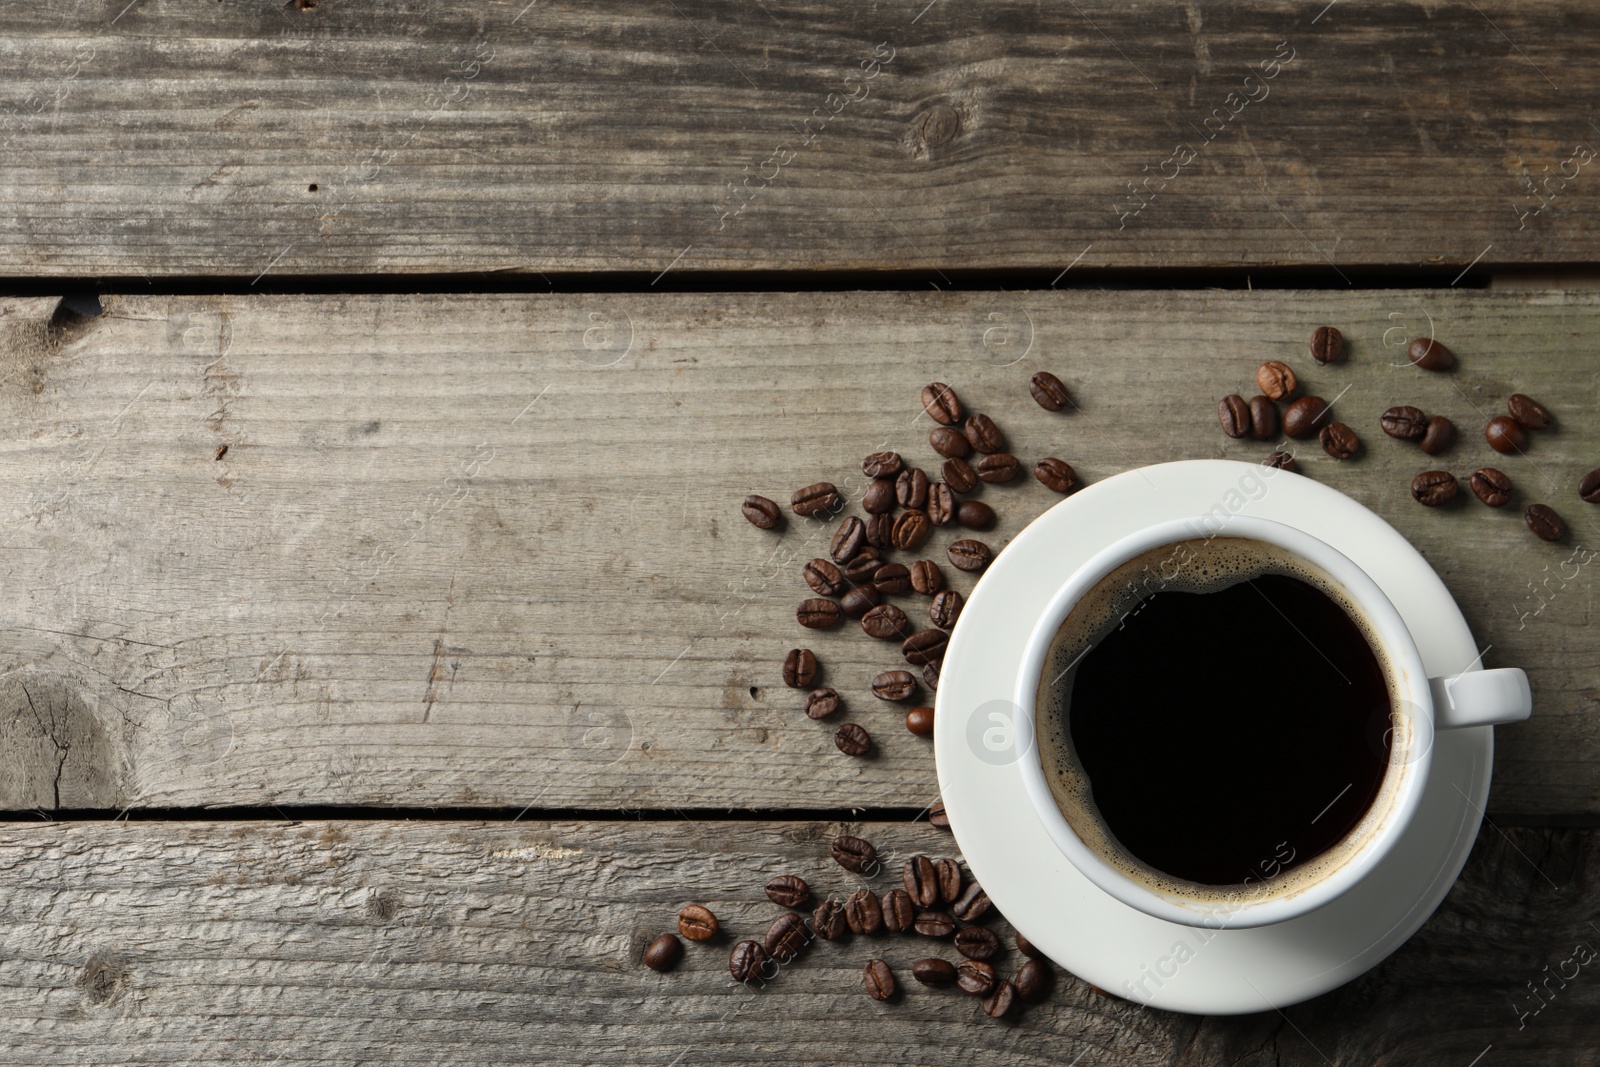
(1095, 936)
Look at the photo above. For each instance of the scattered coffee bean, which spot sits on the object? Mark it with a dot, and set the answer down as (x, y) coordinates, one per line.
(969, 555)
(863, 913)
(946, 609)
(959, 475)
(828, 921)
(663, 953)
(881, 465)
(1033, 981)
(1528, 411)
(863, 566)
(880, 531)
(942, 504)
(817, 614)
(1431, 355)
(898, 911)
(1234, 415)
(1001, 1002)
(879, 980)
(789, 891)
(852, 740)
(1263, 419)
(892, 578)
(1056, 475)
(1544, 522)
(975, 977)
(999, 469)
(976, 515)
(911, 488)
(937, 816)
(1282, 461)
(847, 539)
(949, 442)
(697, 923)
(799, 668)
(934, 924)
(930, 676)
(983, 435)
(1440, 435)
(821, 703)
(973, 905)
(886, 622)
(762, 513)
(1490, 486)
(920, 881)
(1275, 380)
(948, 872)
(1327, 345)
(910, 530)
(815, 499)
(747, 961)
(1404, 422)
(1027, 948)
(854, 854)
(879, 499)
(977, 943)
(1432, 488)
(941, 404)
(786, 937)
(924, 646)
(1304, 415)
(920, 721)
(894, 685)
(1505, 435)
(1049, 391)
(1338, 440)
(926, 577)
(1589, 487)
(935, 972)
(823, 577)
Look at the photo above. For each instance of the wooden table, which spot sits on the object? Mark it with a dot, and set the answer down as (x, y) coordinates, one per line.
(387, 661)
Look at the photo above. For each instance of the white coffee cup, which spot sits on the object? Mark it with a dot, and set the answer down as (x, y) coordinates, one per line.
(1473, 698)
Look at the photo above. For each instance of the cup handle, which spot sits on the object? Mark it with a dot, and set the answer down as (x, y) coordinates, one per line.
(1481, 698)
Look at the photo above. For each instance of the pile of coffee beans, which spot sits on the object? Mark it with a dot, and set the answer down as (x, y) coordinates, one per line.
(1304, 416)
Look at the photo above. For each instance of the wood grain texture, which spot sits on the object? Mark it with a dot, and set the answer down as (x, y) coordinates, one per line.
(159, 138)
(487, 551)
(165, 943)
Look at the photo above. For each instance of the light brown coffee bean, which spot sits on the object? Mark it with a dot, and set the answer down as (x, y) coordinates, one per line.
(1276, 380)
(697, 923)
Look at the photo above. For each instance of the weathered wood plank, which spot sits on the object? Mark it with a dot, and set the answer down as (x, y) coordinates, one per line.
(412, 551)
(160, 138)
(450, 942)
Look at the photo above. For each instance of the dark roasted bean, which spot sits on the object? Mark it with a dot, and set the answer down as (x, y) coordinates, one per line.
(879, 499)
(924, 646)
(696, 923)
(1544, 522)
(1440, 435)
(1490, 486)
(1001, 1002)
(999, 469)
(930, 676)
(1282, 461)
(1404, 422)
(1304, 417)
(948, 871)
(848, 539)
(860, 600)
(977, 943)
(910, 530)
(881, 465)
(942, 504)
(926, 577)
(862, 566)
(937, 816)
(786, 937)
(894, 685)
(911, 488)
(789, 891)
(934, 924)
(982, 434)
(824, 577)
(1430, 355)
(886, 622)
(1338, 440)
(921, 881)
(821, 703)
(973, 905)
(817, 614)
(1589, 487)
(892, 578)
(935, 972)
(898, 911)
(1327, 344)
(1432, 488)
(880, 531)
(828, 920)
(1033, 981)
(975, 515)
(863, 912)
(949, 442)
(762, 513)
(1027, 948)
(799, 668)
(1049, 391)
(816, 499)
(920, 721)
(1505, 435)
(969, 555)
(959, 475)
(941, 403)
(1263, 419)
(1275, 380)
(746, 962)
(663, 953)
(1528, 411)
(1234, 415)
(975, 977)
(1056, 474)
(852, 740)
(879, 980)
(854, 854)
(945, 608)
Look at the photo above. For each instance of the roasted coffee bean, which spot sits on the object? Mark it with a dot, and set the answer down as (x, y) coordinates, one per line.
(920, 881)
(973, 905)
(1048, 390)
(1544, 522)
(924, 646)
(934, 924)
(822, 576)
(969, 555)
(976, 515)
(937, 816)
(815, 499)
(930, 676)
(1033, 981)
(1528, 411)
(821, 703)
(1440, 435)
(1338, 440)
(1001, 1002)
(1282, 461)
(959, 475)
(1327, 344)
(1234, 415)
(663, 953)
(1432, 488)
(1056, 475)
(696, 923)
(1404, 422)
(926, 577)
(879, 499)
(942, 504)
(854, 854)
(848, 539)
(1505, 435)
(977, 943)
(860, 600)
(949, 442)
(982, 434)
(1430, 355)
(852, 740)
(975, 977)
(786, 937)
(941, 404)
(879, 980)
(999, 469)
(886, 622)
(818, 614)
(799, 668)
(1263, 419)
(762, 513)
(828, 921)
(1490, 486)
(862, 566)
(898, 911)
(894, 685)
(910, 530)
(948, 872)
(881, 465)
(746, 962)
(789, 891)
(880, 531)
(863, 912)
(945, 609)
(920, 721)
(911, 488)
(892, 578)
(1304, 417)
(1588, 488)
(934, 972)
(1027, 948)
(1275, 380)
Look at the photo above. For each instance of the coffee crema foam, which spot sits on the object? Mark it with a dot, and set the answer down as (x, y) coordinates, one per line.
(1200, 565)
